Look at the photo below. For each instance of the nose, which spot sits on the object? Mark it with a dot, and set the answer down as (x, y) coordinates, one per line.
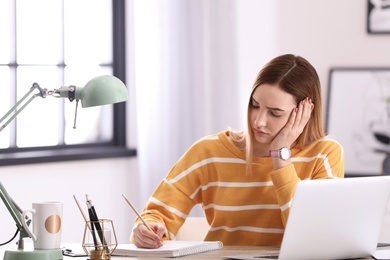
(260, 119)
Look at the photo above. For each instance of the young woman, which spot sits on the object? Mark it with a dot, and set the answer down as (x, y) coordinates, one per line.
(245, 180)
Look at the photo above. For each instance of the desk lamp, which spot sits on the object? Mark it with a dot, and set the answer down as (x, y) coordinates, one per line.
(101, 90)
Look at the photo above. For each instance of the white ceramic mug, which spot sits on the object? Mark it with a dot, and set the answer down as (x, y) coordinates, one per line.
(46, 224)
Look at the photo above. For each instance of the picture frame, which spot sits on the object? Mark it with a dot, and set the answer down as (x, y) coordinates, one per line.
(358, 117)
(378, 16)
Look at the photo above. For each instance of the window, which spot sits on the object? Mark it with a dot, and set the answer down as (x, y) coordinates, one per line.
(59, 43)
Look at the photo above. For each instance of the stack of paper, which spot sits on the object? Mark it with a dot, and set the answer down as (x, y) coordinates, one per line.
(170, 248)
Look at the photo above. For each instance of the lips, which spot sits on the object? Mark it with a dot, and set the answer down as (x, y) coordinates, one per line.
(259, 132)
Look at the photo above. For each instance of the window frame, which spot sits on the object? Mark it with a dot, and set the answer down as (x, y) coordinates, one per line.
(117, 147)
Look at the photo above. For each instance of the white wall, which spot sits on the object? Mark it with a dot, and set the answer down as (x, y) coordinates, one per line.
(327, 32)
(330, 33)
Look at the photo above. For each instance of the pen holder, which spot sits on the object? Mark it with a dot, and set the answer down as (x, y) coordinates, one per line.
(99, 239)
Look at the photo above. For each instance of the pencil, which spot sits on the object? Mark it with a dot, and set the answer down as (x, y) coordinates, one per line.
(82, 212)
(136, 212)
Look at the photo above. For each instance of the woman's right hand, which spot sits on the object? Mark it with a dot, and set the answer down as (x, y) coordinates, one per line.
(297, 121)
(144, 238)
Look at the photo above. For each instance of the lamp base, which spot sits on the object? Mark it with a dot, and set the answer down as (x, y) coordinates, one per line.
(46, 254)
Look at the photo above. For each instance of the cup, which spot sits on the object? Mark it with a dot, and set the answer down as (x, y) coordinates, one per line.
(99, 239)
(46, 224)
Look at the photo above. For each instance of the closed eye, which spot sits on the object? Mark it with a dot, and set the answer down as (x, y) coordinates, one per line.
(274, 112)
(254, 103)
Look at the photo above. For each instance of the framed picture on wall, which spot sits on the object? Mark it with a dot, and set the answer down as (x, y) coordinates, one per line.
(378, 16)
(358, 116)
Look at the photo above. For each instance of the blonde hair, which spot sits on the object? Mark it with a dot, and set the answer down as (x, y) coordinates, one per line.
(296, 76)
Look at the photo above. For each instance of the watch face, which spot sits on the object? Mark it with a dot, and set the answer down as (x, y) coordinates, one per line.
(284, 153)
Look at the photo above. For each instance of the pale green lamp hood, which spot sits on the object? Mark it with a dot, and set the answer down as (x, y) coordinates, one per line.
(103, 90)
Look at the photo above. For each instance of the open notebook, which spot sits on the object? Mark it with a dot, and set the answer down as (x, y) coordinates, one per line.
(333, 219)
(170, 248)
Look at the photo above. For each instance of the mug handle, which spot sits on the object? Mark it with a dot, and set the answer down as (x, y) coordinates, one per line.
(32, 235)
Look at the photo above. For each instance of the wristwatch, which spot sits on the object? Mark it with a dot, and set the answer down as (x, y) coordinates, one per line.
(283, 153)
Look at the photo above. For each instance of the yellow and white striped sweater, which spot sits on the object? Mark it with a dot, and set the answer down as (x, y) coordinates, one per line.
(240, 209)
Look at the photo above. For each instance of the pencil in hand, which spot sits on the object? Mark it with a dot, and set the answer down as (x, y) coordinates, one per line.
(136, 212)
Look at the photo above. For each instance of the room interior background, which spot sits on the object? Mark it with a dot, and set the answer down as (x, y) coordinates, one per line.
(191, 65)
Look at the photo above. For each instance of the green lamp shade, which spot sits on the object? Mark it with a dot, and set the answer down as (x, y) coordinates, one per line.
(103, 90)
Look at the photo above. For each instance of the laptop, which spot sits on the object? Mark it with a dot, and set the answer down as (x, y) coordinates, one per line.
(333, 219)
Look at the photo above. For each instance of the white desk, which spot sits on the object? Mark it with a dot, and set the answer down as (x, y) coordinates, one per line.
(216, 254)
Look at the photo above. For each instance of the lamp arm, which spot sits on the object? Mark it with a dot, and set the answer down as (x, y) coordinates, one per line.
(15, 213)
(71, 92)
(42, 93)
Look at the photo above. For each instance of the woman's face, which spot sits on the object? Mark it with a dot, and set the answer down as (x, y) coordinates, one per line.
(269, 110)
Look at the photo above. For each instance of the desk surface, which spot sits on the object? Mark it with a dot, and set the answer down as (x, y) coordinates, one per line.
(215, 254)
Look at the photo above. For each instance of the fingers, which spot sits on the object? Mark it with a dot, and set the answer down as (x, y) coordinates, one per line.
(295, 125)
(160, 230)
(144, 238)
(301, 115)
(304, 110)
